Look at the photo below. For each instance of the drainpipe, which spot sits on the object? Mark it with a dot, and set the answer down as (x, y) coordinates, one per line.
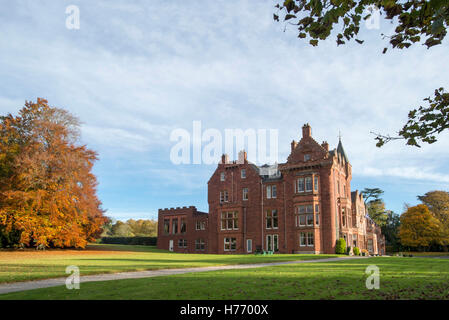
(285, 220)
(261, 189)
(232, 185)
(245, 248)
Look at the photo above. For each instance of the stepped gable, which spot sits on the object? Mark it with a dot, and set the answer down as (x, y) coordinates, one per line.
(307, 146)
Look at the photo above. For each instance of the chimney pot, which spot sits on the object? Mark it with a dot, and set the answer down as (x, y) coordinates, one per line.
(306, 131)
(224, 158)
(294, 144)
(242, 157)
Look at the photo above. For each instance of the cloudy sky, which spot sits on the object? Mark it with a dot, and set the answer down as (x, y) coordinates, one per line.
(137, 70)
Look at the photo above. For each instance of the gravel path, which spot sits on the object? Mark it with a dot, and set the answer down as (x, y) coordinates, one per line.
(30, 285)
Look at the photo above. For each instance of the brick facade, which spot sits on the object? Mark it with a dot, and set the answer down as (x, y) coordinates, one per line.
(301, 206)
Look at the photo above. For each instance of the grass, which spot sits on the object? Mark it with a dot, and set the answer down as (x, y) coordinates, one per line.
(400, 278)
(425, 254)
(104, 258)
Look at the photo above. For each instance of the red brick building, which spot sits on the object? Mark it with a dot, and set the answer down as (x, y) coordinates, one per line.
(301, 206)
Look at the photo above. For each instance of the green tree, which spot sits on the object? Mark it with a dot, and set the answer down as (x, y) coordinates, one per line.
(376, 211)
(121, 229)
(375, 205)
(372, 193)
(417, 22)
(391, 230)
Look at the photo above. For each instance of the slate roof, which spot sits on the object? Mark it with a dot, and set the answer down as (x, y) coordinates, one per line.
(341, 150)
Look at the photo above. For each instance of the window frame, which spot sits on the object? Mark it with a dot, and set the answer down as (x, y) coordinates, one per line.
(166, 224)
(182, 243)
(310, 236)
(302, 181)
(200, 244)
(224, 196)
(268, 191)
(274, 192)
(302, 236)
(231, 242)
(308, 182)
(245, 192)
(174, 226)
(230, 221)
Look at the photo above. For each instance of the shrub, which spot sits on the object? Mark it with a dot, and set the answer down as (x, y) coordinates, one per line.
(145, 241)
(356, 251)
(340, 248)
(365, 252)
(348, 250)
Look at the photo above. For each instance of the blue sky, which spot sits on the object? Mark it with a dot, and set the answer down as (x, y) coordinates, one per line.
(136, 70)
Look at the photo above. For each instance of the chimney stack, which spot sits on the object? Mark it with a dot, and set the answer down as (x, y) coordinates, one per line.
(306, 131)
(224, 158)
(242, 157)
(294, 144)
(325, 145)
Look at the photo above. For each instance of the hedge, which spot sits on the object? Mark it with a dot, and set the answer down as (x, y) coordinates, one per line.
(340, 248)
(145, 241)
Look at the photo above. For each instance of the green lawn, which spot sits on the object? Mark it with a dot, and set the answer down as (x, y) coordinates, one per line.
(101, 258)
(425, 254)
(400, 278)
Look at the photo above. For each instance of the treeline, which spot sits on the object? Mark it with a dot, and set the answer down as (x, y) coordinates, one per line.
(424, 227)
(130, 228)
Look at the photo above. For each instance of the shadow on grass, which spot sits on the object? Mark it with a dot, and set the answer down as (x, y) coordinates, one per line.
(328, 280)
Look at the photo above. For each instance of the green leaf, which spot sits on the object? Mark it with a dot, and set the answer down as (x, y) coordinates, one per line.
(313, 42)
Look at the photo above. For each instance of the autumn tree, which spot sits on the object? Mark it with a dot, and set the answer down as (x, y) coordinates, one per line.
(47, 189)
(419, 229)
(438, 204)
(417, 22)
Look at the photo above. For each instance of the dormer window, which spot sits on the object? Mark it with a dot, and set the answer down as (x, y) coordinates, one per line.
(222, 176)
(243, 173)
(306, 157)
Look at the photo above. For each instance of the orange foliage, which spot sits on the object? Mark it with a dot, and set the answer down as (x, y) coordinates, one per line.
(418, 227)
(47, 189)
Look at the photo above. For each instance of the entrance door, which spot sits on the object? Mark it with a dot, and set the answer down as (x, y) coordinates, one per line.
(249, 245)
(272, 242)
(269, 243)
(170, 246)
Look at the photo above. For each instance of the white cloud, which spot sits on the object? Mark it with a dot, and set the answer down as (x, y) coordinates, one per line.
(137, 70)
(412, 173)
